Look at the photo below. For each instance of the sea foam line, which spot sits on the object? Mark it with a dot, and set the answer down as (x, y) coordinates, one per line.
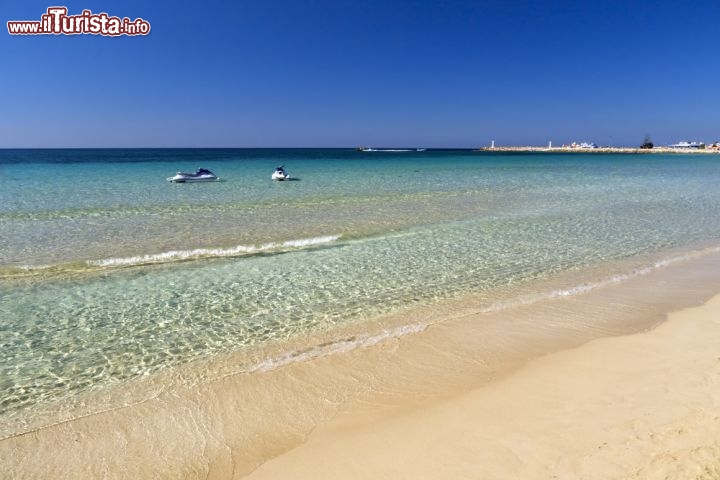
(605, 282)
(331, 348)
(363, 341)
(178, 255)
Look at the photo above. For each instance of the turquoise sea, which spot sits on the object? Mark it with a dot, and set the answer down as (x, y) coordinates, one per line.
(109, 273)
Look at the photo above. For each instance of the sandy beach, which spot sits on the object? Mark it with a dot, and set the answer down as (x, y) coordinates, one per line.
(493, 252)
(551, 388)
(643, 406)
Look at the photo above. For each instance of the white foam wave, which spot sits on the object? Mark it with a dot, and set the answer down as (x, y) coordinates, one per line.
(605, 282)
(178, 255)
(331, 348)
(30, 268)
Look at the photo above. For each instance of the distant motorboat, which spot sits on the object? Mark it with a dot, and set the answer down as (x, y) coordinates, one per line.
(280, 174)
(202, 175)
(364, 149)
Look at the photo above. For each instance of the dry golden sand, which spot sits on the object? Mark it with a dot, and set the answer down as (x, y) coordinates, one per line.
(644, 406)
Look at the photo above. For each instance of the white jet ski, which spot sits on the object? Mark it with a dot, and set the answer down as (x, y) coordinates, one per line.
(202, 175)
(280, 174)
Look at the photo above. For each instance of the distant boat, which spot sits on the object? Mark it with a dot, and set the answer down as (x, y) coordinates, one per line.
(364, 149)
(202, 175)
(420, 149)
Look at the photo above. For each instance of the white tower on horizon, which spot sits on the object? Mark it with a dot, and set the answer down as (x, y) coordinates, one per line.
(492, 144)
(549, 144)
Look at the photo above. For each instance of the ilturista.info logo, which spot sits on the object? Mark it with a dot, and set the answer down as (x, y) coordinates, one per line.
(57, 22)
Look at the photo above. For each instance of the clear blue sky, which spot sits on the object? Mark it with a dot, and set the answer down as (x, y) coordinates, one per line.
(373, 73)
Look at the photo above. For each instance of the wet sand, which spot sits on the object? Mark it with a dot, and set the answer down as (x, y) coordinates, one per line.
(545, 388)
(643, 406)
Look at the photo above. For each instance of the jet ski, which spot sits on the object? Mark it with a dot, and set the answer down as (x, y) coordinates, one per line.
(280, 174)
(202, 175)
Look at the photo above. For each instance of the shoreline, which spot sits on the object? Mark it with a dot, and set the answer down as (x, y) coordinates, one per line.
(637, 406)
(225, 426)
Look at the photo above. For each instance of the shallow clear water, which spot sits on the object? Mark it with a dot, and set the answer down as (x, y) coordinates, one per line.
(109, 272)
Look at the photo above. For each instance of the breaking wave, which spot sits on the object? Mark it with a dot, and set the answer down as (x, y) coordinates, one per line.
(179, 255)
(175, 256)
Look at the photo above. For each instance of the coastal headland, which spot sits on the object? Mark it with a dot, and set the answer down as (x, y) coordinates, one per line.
(633, 150)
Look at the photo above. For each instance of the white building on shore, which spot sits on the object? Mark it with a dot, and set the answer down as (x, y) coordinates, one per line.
(687, 145)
